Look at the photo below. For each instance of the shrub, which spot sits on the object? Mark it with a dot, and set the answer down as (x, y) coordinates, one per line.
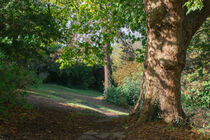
(127, 94)
(196, 91)
(112, 95)
(12, 79)
(131, 89)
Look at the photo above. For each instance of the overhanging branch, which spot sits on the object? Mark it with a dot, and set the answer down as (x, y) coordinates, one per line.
(194, 20)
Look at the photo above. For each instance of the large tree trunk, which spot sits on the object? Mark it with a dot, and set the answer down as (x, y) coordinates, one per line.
(168, 36)
(107, 69)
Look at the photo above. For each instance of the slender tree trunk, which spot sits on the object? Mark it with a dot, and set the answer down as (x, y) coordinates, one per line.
(107, 69)
(167, 41)
(141, 95)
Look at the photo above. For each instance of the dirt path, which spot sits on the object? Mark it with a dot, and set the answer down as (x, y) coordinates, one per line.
(55, 120)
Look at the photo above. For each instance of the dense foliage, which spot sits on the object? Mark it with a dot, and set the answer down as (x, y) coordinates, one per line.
(195, 79)
(94, 24)
(13, 77)
(27, 29)
(78, 75)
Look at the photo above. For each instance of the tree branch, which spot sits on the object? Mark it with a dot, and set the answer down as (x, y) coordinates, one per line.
(194, 20)
(128, 47)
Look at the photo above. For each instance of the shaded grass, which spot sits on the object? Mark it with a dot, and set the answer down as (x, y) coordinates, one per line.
(57, 88)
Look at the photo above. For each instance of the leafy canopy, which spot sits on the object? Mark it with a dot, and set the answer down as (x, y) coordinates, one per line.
(92, 24)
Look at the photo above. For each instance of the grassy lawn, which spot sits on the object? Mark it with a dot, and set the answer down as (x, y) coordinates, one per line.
(52, 88)
(63, 94)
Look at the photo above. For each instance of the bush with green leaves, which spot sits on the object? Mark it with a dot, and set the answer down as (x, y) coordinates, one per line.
(196, 91)
(131, 89)
(12, 80)
(113, 95)
(127, 94)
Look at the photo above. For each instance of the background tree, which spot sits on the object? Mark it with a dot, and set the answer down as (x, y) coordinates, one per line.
(98, 21)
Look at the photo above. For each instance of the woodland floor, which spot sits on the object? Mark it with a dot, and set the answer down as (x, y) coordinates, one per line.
(80, 117)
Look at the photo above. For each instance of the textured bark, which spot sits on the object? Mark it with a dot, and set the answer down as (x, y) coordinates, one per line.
(169, 33)
(107, 69)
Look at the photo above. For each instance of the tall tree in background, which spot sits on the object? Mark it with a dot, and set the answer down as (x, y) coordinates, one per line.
(107, 69)
(169, 33)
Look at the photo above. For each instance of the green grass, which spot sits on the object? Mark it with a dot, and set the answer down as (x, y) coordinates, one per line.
(47, 95)
(62, 94)
(61, 89)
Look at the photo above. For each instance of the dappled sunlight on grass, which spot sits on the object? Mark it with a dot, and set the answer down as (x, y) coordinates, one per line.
(95, 107)
(67, 97)
(46, 95)
(101, 109)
